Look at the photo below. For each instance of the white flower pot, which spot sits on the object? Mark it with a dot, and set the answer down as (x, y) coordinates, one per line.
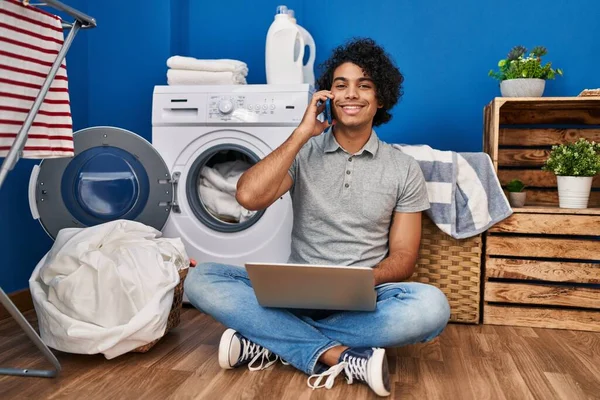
(574, 191)
(525, 87)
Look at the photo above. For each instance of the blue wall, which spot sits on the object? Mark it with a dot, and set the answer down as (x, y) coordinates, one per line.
(444, 49)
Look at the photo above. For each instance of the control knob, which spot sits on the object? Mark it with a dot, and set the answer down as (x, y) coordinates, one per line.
(225, 106)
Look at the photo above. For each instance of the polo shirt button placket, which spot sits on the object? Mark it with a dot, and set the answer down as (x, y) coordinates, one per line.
(348, 172)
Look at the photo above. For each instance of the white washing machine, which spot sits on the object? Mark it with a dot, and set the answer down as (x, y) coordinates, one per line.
(198, 126)
(117, 174)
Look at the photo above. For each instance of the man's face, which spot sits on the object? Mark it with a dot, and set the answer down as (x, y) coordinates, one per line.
(355, 102)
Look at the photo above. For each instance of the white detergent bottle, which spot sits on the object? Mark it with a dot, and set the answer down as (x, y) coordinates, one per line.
(308, 68)
(284, 50)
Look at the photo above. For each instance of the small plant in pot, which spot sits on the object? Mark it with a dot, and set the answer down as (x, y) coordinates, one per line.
(575, 164)
(516, 195)
(524, 76)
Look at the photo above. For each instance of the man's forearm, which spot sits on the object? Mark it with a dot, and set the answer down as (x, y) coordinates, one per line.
(397, 267)
(258, 186)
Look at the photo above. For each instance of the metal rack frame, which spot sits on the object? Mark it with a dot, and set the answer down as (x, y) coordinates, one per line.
(82, 21)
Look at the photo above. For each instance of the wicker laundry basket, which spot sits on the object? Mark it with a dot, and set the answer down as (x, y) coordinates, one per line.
(174, 314)
(454, 266)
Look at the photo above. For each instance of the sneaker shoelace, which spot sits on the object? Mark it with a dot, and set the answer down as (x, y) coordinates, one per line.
(354, 368)
(254, 352)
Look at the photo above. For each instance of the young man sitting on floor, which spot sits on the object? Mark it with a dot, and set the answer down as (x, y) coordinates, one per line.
(356, 201)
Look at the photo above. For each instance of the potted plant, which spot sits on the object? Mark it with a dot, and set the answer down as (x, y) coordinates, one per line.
(524, 76)
(516, 195)
(575, 164)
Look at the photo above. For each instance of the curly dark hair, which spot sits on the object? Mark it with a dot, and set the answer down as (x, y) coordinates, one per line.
(376, 63)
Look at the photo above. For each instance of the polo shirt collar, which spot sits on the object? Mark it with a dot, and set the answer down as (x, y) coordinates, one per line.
(331, 145)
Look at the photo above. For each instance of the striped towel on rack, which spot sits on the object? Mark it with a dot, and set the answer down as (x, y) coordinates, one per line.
(30, 40)
(464, 192)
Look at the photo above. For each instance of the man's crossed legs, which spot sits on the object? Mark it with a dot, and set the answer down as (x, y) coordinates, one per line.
(406, 313)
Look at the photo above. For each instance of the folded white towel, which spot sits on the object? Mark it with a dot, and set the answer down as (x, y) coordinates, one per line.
(191, 63)
(189, 77)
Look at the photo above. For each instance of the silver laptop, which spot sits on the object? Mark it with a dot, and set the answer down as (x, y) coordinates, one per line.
(320, 287)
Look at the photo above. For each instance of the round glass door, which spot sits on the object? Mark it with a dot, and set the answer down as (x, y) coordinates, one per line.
(115, 174)
(104, 184)
(211, 187)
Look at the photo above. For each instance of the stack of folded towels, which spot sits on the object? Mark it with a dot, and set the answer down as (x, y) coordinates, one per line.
(192, 71)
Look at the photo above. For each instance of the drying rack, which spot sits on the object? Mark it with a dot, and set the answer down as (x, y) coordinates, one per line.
(82, 21)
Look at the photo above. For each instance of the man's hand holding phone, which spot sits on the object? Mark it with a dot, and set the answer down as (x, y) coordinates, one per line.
(310, 125)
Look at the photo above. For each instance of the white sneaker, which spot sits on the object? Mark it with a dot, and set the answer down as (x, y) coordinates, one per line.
(364, 364)
(235, 350)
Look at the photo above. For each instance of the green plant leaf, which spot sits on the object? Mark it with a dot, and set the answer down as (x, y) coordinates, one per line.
(580, 158)
(517, 65)
(515, 185)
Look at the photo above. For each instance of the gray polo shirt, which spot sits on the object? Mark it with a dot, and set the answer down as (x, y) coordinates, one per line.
(343, 203)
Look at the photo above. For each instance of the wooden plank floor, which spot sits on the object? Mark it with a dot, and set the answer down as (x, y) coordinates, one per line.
(465, 362)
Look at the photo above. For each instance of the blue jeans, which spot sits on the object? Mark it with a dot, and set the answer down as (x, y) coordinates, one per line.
(406, 313)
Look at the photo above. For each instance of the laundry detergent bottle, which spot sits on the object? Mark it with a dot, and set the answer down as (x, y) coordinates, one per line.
(284, 50)
(308, 68)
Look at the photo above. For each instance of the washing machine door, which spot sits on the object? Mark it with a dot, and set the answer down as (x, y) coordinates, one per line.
(115, 174)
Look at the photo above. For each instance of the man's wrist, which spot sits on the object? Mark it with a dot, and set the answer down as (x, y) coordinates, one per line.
(376, 275)
(300, 135)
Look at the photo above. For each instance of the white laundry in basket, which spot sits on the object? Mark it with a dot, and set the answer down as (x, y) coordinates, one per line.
(107, 288)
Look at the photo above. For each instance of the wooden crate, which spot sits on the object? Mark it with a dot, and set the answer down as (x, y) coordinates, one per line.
(542, 264)
(519, 134)
(542, 269)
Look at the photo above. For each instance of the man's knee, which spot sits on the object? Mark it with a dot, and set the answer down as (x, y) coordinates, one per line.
(209, 272)
(199, 275)
(201, 281)
(427, 314)
(436, 311)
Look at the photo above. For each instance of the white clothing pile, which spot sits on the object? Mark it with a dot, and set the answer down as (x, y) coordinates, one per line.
(30, 40)
(217, 187)
(192, 71)
(107, 288)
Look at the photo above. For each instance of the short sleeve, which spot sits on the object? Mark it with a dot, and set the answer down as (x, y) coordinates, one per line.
(413, 196)
(292, 171)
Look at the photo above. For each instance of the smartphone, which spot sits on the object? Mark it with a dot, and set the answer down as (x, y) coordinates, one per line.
(328, 115)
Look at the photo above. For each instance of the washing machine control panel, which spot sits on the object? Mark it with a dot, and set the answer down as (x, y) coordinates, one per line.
(261, 108)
